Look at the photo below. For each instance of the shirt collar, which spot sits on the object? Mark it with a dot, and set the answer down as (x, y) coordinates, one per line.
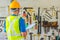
(14, 15)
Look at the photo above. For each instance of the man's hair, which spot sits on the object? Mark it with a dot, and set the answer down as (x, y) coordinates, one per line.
(14, 9)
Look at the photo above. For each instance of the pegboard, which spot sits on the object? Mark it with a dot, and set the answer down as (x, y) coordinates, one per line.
(2, 34)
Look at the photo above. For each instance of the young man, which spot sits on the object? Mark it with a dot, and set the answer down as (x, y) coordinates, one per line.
(14, 25)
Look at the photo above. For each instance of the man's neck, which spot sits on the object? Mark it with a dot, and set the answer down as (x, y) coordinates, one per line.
(14, 14)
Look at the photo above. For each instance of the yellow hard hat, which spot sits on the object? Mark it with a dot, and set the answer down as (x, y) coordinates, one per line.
(15, 4)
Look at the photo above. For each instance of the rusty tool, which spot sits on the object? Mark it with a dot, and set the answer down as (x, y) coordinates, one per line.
(31, 35)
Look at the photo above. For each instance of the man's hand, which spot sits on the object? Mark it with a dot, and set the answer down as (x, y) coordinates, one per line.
(24, 34)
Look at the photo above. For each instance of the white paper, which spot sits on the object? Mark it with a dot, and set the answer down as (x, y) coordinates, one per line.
(30, 26)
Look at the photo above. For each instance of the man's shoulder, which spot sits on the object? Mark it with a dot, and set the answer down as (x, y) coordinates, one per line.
(21, 18)
(7, 17)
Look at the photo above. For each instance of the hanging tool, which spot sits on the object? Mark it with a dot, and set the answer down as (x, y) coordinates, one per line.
(46, 11)
(42, 39)
(45, 36)
(34, 36)
(27, 18)
(45, 17)
(58, 37)
(54, 24)
(39, 21)
(56, 14)
(48, 16)
(45, 25)
(8, 10)
(38, 36)
(34, 17)
(39, 24)
(11, 0)
(31, 35)
(30, 20)
(49, 37)
(28, 13)
(57, 19)
(0, 29)
(36, 26)
(53, 35)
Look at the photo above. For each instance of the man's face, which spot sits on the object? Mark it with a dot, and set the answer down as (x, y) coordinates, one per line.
(17, 11)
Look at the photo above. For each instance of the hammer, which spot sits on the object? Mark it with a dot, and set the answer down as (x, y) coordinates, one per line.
(31, 35)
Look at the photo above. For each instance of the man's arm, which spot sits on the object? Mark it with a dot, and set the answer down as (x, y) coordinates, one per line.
(22, 27)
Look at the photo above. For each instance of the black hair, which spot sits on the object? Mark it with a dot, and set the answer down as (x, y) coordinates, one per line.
(13, 8)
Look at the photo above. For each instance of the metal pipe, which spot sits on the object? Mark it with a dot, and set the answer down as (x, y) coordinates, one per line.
(42, 39)
(48, 13)
(30, 20)
(49, 37)
(39, 21)
(31, 35)
(48, 16)
(45, 17)
(56, 14)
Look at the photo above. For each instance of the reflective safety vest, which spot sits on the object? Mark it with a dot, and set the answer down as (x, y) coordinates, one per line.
(12, 28)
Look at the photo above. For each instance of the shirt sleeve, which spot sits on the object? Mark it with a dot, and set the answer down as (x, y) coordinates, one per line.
(4, 26)
(22, 25)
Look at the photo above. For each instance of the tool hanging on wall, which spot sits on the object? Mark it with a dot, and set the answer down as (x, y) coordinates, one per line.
(48, 16)
(45, 17)
(34, 36)
(28, 14)
(36, 19)
(53, 37)
(54, 24)
(11, 0)
(27, 19)
(46, 11)
(31, 35)
(38, 36)
(36, 25)
(45, 36)
(57, 18)
(8, 10)
(30, 20)
(39, 21)
(58, 36)
(0, 29)
(49, 37)
(45, 24)
(42, 39)
(57, 14)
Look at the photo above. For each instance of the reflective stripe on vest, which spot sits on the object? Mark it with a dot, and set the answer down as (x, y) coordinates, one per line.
(11, 28)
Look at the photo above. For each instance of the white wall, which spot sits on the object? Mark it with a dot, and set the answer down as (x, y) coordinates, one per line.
(41, 3)
(33, 3)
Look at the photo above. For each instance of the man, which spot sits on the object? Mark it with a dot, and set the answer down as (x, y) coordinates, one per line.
(14, 25)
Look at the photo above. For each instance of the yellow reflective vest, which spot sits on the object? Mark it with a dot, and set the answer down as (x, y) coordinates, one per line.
(12, 28)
